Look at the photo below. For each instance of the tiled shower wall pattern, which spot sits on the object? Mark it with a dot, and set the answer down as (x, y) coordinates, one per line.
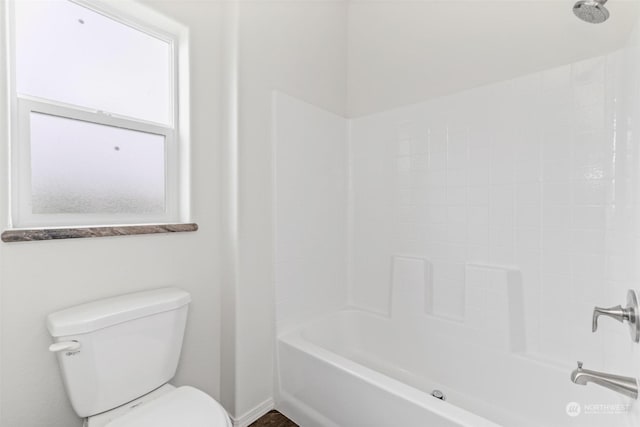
(310, 184)
(535, 174)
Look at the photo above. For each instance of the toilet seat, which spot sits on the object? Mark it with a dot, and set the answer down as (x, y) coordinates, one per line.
(182, 407)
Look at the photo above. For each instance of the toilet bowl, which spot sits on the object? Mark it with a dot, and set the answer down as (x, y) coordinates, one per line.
(117, 356)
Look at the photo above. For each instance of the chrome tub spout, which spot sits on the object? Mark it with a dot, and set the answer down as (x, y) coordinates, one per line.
(623, 385)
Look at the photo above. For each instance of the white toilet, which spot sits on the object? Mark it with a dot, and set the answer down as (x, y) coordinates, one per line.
(117, 356)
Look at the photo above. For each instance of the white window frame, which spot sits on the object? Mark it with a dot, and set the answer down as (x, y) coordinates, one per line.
(176, 135)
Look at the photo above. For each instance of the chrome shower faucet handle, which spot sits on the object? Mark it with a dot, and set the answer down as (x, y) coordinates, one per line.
(617, 312)
(628, 314)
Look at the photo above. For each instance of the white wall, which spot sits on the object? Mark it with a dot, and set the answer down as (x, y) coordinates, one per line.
(298, 47)
(403, 52)
(310, 191)
(40, 277)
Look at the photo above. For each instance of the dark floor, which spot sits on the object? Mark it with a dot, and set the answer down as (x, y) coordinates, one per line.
(273, 419)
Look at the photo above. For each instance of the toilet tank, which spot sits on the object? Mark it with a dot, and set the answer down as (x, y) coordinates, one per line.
(129, 346)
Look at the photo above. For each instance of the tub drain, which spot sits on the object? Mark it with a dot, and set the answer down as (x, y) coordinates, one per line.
(438, 395)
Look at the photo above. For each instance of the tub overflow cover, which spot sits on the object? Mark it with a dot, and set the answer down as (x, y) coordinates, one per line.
(438, 395)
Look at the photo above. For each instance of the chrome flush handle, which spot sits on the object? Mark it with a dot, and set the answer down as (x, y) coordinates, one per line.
(628, 314)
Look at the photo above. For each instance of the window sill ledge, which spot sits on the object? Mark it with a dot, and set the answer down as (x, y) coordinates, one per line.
(30, 235)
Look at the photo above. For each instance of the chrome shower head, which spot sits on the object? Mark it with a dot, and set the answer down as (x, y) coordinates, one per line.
(592, 11)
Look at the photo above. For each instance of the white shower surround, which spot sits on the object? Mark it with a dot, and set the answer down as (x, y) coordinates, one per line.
(533, 173)
(536, 176)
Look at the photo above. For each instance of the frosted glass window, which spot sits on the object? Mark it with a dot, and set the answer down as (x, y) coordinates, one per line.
(71, 54)
(80, 167)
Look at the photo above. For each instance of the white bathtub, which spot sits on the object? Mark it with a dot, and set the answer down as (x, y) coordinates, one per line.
(353, 369)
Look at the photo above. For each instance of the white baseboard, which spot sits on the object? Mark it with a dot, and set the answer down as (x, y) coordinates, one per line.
(253, 414)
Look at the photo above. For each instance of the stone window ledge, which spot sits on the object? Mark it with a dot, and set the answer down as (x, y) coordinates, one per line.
(30, 235)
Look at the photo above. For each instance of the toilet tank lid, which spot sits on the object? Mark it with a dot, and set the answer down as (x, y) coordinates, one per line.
(106, 312)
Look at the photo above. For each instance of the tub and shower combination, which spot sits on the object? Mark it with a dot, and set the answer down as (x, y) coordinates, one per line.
(434, 329)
